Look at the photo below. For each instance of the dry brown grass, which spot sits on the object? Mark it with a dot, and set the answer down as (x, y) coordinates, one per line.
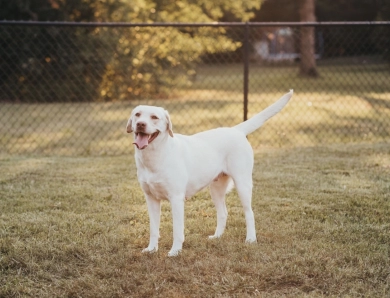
(75, 227)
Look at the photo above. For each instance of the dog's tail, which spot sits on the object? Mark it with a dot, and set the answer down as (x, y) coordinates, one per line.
(258, 120)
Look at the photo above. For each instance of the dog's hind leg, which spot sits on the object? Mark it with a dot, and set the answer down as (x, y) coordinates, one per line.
(244, 189)
(240, 166)
(218, 190)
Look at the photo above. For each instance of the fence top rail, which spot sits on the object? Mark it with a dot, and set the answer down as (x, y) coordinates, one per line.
(211, 24)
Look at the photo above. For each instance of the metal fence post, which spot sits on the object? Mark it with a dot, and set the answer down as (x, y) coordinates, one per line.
(246, 69)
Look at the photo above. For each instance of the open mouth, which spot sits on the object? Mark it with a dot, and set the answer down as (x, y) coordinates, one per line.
(142, 140)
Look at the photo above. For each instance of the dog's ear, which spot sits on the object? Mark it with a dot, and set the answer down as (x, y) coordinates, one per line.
(169, 123)
(129, 129)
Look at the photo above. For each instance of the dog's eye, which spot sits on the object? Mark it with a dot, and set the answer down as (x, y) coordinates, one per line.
(154, 117)
(137, 114)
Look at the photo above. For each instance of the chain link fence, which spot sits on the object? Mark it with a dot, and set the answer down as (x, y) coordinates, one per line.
(68, 89)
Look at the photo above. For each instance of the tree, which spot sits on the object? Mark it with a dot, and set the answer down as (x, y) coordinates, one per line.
(347, 10)
(307, 39)
(348, 41)
(384, 32)
(148, 61)
(128, 62)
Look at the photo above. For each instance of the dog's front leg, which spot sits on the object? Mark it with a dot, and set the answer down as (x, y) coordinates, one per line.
(177, 207)
(154, 209)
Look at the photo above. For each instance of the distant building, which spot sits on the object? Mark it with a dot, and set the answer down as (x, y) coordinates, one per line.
(278, 44)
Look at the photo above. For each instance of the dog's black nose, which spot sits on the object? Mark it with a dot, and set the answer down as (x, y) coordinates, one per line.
(141, 125)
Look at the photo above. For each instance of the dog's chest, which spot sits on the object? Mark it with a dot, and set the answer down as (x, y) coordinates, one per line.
(154, 189)
(158, 179)
(153, 184)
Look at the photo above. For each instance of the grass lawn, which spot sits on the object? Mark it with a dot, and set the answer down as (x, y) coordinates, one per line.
(347, 103)
(75, 227)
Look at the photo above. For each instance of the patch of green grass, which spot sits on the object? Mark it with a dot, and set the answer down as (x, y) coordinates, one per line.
(347, 103)
(75, 227)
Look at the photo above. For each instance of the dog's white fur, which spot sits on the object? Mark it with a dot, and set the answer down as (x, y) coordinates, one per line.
(174, 167)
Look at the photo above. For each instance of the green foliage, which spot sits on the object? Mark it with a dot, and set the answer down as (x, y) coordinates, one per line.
(147, 61)
(134, 61)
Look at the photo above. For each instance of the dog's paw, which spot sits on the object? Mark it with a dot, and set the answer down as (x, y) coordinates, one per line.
(174, 252)
(214, 236)
(150, 250)
(251, 240)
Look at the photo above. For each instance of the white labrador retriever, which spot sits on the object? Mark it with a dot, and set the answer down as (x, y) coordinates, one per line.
(174, 167)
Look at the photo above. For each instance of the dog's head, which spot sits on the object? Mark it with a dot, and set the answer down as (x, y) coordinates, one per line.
(147, 123)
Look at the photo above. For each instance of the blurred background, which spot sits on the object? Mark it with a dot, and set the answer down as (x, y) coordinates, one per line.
(71, 71)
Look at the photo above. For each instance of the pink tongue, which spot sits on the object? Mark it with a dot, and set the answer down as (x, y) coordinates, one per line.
(141, 140)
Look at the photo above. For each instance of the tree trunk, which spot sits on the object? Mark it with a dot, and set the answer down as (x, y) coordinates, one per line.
(307, 43)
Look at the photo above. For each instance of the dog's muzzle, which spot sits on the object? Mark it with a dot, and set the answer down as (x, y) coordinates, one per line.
(142, 140)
